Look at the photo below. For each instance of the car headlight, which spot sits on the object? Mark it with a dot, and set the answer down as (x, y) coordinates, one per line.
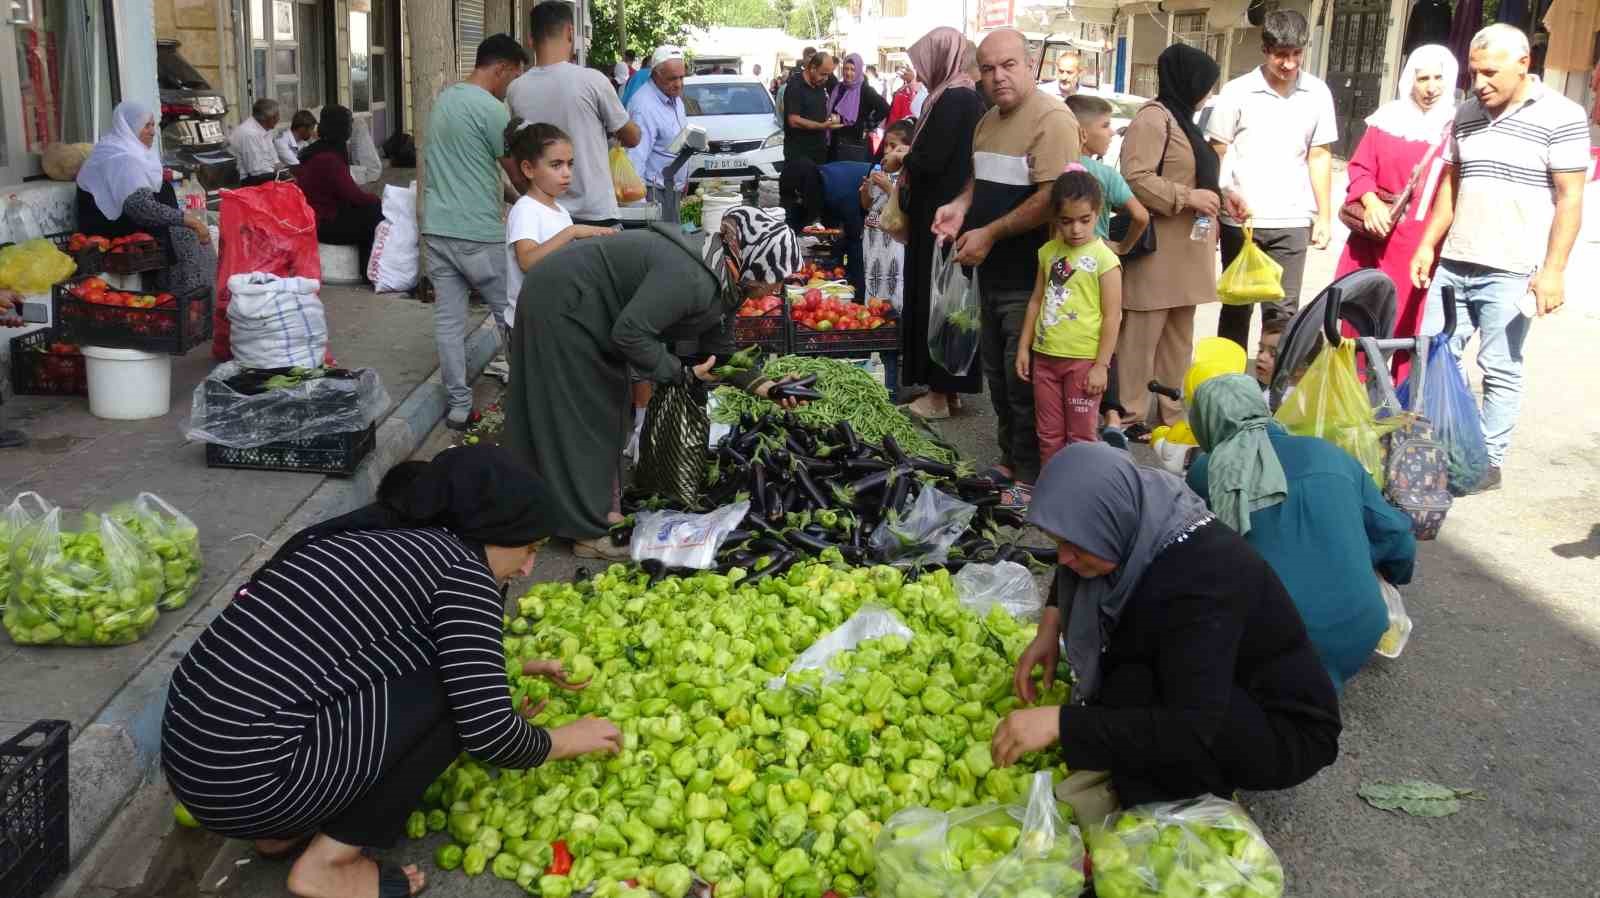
(774, 140)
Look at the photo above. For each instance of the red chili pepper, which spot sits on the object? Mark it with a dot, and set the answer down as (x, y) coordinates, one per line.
(561, 861)
(830, 894)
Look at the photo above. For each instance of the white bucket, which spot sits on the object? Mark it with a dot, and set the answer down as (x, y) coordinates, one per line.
(126, 384)
(713, 207)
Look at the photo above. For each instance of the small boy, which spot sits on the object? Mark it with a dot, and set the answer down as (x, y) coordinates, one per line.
(1094, 127)
(295, 138)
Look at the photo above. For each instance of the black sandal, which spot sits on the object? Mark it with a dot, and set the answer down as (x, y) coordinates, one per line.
(394, 883)
(1137, 432)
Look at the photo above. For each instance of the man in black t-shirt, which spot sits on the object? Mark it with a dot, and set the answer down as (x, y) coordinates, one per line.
(806, 117)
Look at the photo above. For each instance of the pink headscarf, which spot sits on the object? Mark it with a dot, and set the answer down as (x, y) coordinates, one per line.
(940, 58)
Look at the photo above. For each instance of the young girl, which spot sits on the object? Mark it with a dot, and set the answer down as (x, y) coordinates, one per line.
(1071, 328)
(537, 225)
(884, 255)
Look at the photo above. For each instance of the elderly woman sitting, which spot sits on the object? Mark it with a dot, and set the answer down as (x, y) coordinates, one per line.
(121, 191)
(1312, 512)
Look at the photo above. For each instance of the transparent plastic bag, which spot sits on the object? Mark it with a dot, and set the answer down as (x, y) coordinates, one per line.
(953, 322)
(340, 402)
(175, 540)
(1201, 847)
(926, 534)
(624, 180)
(1393, 641)
(34, 266)
(94, 587)
(14, 522)
(1331, 403)
(1252, 277)
(869, 622)
(680, 539)
(1007, 584)
(989, 851)
(1448, 402)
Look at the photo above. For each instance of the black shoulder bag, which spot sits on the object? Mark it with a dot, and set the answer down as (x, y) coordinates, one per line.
(1120, 222)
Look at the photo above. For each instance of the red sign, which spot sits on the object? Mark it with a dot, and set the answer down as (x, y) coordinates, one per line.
(997, 14)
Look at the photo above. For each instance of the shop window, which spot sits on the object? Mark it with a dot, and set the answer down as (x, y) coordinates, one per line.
(360, 61)
(288, 52)
(55, 82)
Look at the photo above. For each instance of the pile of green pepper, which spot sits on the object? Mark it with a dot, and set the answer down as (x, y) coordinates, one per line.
(97, 586)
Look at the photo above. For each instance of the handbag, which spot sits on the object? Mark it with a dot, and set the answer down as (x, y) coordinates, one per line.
(1120, 222)
(1353, 213)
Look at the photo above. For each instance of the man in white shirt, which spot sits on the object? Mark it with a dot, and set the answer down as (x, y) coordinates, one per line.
(1272, 126)
(580, 102)
(291, 140)
(657, 109)
(251, 143)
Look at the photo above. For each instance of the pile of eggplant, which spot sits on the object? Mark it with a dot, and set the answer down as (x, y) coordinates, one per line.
(821, 493)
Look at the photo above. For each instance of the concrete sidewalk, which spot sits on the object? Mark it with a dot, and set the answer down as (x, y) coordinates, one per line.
(113, 697)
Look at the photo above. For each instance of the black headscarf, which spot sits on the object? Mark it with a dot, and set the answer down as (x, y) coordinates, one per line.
(480, 493)
(333, 134)
(1185, 76)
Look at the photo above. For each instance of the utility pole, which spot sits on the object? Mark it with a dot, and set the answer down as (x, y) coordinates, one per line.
(622, 30)
(434, 65)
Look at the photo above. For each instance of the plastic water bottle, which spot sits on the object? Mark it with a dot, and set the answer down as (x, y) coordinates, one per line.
(1201, 231)
(875, 368)
(20, 222)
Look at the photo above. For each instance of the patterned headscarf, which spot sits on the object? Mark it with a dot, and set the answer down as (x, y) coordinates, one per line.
(768, 250)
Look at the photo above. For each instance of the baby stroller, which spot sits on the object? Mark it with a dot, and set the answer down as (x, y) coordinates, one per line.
(1364, 300)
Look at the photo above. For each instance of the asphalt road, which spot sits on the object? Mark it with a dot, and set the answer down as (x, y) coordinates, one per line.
(1498, 690)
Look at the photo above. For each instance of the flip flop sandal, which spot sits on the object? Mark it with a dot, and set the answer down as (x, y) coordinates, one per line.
(1137, 432)
(996, 476)
(297, 845)
(394, 883)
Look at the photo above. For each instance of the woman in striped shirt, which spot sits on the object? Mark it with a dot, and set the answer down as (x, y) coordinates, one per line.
(359, 662)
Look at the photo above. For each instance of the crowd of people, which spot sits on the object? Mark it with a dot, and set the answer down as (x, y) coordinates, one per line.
(1210, 624)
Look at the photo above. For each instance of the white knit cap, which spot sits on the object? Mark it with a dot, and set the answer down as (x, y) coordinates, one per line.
(663, 54)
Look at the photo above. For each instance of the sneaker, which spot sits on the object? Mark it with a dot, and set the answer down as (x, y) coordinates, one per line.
(1016, 497)
(467, 423)
(1113, 436)
(600, 547)
(499, 369)
(1490, 481)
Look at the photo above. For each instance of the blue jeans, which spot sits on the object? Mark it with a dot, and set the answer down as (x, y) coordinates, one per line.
(1486, 302)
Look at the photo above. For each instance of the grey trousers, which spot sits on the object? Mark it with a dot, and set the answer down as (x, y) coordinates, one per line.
(456, 268)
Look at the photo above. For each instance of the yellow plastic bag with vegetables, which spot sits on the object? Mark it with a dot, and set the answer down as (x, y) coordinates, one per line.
(629, 187)
(1253, 277)
(1331, 403)
(34, 266)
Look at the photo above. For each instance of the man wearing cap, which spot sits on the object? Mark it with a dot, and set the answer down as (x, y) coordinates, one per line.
(658, 111)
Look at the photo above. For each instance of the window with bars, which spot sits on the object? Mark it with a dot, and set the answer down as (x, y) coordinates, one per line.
(469, 34)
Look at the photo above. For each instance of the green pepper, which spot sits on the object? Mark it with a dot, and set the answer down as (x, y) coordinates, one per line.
(448, 857)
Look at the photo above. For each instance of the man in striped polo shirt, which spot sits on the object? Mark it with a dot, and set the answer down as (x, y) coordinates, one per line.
(1508, 213)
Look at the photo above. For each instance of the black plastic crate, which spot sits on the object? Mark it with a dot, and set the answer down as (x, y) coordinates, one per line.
(770, 332)
(335, 454)
(805, 341)
(34, 836)
(35, 371)
(173, 329)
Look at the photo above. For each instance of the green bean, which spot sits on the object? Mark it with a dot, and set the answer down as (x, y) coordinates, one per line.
(848, 394)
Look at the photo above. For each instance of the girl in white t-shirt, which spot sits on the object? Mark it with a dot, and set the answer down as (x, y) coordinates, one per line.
(537, 225)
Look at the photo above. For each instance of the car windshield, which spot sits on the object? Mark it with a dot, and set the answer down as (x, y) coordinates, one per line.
(1124, 108)
(726, 98)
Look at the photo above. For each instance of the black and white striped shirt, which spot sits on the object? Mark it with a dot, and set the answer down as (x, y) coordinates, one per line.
(277, 717)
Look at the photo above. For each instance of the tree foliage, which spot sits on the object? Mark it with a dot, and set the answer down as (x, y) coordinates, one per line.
(752, 13)
(651, 23)
(807, 16)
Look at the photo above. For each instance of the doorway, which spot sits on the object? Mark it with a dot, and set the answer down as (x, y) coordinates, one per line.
(1355, 66)
(289, 51)
(374, 64)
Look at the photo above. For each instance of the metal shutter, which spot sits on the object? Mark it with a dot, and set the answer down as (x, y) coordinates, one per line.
(469, 34)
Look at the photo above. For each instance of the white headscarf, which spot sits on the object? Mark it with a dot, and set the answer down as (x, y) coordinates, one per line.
(120, 162)
(1402, 117)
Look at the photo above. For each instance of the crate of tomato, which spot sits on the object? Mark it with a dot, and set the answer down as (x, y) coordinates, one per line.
(761, 321)
(43, 364)
(824, 324)
(94, 314)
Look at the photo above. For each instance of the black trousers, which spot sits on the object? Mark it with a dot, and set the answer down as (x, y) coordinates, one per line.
(1287, 247)
(1254, 748)
(257, 180)
(355, 226)
(1001, 313)
(425, 741)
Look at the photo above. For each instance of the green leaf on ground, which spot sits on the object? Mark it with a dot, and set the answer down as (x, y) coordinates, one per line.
(1419, 798)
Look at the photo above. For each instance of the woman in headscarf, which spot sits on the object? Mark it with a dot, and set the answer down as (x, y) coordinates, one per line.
(1173, 171)
(353, 667)
(1392, 177)
(1194, 673)
(936, 170)
(346, 214)
(122, 191)
(860, 109)
(643, 299)
(1311, 511)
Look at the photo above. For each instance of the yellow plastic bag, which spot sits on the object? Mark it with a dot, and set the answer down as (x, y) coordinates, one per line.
(34, 266)
(1331, 403)
(1253, 276)
(626, 181)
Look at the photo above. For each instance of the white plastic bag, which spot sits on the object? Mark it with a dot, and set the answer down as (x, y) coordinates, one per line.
(1394, 640)
(869, 622)
(953, 320)
(1203, 846)
(683, 540)
(15, 519)
(1007, 584)
(393, 265)
(366, 165)
(988, 851)
(276, 322)
(926, 534)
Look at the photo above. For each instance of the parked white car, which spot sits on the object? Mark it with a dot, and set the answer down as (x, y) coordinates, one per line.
(742, 127)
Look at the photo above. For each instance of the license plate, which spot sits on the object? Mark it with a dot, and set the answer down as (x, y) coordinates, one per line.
(723, 163)
(210, 132)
